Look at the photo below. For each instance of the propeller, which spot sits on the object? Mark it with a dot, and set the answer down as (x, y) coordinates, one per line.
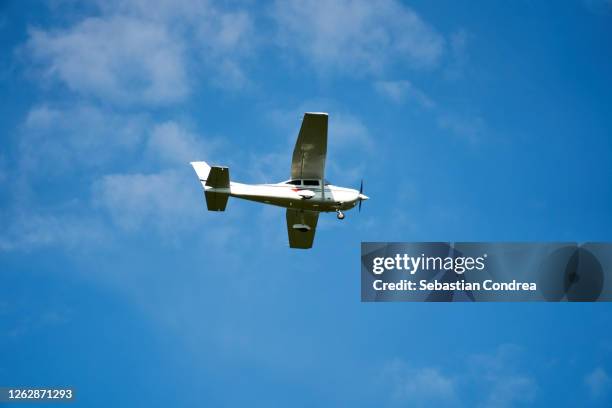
(361, 195)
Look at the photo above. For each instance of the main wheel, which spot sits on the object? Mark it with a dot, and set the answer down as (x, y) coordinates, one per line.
(340, 215)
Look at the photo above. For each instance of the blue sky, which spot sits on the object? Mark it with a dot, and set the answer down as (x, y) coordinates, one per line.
(483, 122)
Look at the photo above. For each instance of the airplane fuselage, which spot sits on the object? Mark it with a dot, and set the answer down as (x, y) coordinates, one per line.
(328, 198)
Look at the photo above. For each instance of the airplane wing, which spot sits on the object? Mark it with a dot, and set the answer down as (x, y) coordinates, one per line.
(311, 148)
(301, 226)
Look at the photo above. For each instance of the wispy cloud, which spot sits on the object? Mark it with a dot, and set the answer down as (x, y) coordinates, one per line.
(218, 37)
(132, 53)
(598, 382)
(403, 90)
(119, 59)
(31, 229)
(169, 198)
(424, 386)
(357, 37)
(172, 144)
(152, 188)
(458, 54)
(496, 375)
(167, 201)
(507, 384)
(468, 127)
(27, 322)
(56, 139)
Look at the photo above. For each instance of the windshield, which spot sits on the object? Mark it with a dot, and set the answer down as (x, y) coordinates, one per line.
(307, 182)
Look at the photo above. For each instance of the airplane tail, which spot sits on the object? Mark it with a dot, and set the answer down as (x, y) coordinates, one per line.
(213, 178)
(202, 169)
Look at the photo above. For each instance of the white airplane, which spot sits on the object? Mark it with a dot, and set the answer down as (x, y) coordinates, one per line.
(304, 196)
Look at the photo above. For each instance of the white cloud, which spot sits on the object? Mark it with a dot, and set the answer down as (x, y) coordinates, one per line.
(120, 59)
(134, 53)
(468, 127)
(459, 56)
(65, 141)
(508, 391)
(173, 144)
(266, 167)
(26, 321)
(227, 32)
(54, 139)
(230, 76)
(350, 144)
(168, 201)
(497, 374)
(598, 382)
(28, 230)
(500, 371)
(56, 143)
(423, 386)
(348, 132)
(357, 36)
(402, 90)
(209, 26)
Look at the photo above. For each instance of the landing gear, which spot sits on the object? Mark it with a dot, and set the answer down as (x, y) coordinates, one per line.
(340, 215)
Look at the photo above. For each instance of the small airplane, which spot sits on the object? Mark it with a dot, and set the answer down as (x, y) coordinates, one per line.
(304, 195)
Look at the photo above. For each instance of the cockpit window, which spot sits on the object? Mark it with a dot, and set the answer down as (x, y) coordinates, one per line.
(295, 182)
(311, 182)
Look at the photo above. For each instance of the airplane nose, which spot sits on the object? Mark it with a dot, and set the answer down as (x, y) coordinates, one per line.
(363, 197)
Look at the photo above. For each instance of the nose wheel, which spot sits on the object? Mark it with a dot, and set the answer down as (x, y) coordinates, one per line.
(340, 215)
